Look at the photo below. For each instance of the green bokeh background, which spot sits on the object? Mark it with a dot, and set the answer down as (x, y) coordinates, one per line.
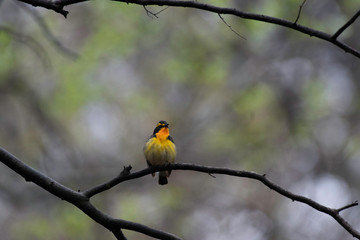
(277, 102)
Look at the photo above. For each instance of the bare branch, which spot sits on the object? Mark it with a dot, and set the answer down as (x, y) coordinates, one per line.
(222, 19)
(58, 6)
(79, 200)
(213, 176)
(160, 11)
(346, 25)
(299, 12)
(150, 13)
(348, 206)
(225, 171)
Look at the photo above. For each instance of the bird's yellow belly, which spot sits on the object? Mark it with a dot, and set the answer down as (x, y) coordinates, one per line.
(160, 152)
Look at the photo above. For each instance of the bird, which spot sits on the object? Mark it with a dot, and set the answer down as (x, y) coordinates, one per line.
(160, 149)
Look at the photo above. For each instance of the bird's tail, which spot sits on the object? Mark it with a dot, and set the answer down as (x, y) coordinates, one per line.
(163, 178)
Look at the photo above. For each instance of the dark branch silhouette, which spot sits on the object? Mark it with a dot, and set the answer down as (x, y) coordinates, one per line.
(346, 25)
(354, 204)
(82, 199)
(229, 26)
(154, 14)
(79, 200)
(126, 175)
(299, 12)
(58, 6)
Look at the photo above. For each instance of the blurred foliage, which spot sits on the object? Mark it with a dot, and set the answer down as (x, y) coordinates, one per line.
(7, 59)
(277, 102)
(58, 223)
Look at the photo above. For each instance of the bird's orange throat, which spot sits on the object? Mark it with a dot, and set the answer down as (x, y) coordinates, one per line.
(163, 134)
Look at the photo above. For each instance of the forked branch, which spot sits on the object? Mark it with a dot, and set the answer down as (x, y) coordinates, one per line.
(81, 199)
(58, 6)
(346, 25)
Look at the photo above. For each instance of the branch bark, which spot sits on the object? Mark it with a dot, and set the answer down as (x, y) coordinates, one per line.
(126, 175)
(79, 200)
(82, 199)
(346, 25)
(58, 6)
(299, 12)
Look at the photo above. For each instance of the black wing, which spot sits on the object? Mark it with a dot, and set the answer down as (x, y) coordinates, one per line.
(171, 139)
(152, 136)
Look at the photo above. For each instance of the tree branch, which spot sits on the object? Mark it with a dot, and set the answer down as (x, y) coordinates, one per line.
(346, 25)
(154, 14)
(125, 175)
(58, 6)
(348, 206)
(222, 19)
(79, 200)
(299, 12)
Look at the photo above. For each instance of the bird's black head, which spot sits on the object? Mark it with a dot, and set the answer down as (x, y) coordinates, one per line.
(160, 125)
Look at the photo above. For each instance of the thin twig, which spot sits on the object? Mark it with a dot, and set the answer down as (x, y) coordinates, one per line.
(299, 12)
(222, 19)
(150, 13)
(211, 175)
(346, 25)
(160, 11)
(348, 206)
(58, 6)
